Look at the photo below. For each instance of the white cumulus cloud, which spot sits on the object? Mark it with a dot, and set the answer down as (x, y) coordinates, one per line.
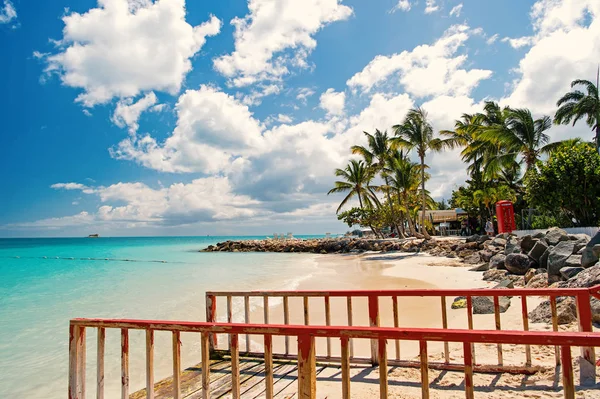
(403, 5)
(7, 13)
(333, 102)
(456, 10)
(123, 48)
(270, 28)
(431, 6)
(127, 113)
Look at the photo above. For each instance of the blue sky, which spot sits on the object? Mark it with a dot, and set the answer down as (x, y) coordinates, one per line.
(172, 117)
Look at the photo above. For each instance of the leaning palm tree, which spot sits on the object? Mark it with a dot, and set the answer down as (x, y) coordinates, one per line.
(575, 105)
(357, 179)
(521, 136)
(376, 155)
(416, 132)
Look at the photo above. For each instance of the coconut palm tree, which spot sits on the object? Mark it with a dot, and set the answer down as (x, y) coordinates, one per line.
(575, 105)
(404, 179)
(416, 132)
(357, 179)
(520, 135)
(376, 155)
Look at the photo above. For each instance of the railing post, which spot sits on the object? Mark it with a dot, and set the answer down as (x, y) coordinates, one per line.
(587, 368)
(307, 380)
(211, 317)
(124, 363)
(73, 361)
(374, 322)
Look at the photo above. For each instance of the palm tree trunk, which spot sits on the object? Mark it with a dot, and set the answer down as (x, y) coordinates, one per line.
(423, 229)
(361, 207)
(389, 198)
(411, 226)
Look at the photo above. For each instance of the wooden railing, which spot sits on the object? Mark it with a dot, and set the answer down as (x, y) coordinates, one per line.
(306, 352)
(582, 297)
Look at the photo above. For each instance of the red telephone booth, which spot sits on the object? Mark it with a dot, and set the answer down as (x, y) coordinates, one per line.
(506, 217)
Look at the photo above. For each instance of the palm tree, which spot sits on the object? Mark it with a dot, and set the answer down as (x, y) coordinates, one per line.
(416, 132)
(404, 178)
(357, 178)
(520, 135)
(575, 105)
(376, 155)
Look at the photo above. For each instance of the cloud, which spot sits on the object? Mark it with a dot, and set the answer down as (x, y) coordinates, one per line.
(123, 48)
(212, 128)
(268, 30)
(304, 93)
(403, 5)
(127, 113)
(333, 102)
(456, 10)
(431, 6)
(492, 39)
(7, 13)
(565, 45)
(519, 42)
(427, 70)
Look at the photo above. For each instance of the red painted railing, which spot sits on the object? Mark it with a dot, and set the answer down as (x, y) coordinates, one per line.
(374, 298)
(306, 352)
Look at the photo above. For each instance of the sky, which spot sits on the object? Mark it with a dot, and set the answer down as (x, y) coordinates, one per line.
(173, 117)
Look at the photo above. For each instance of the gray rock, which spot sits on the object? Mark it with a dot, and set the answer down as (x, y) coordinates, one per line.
(527, 242)
(566, 311)
(498, 242)
(589, 258)
(538, 250)
(573, 261)
(587, 278)
(504, 284)
(497, 261)
(538, 281)
(473, 238)
(483, 238)
(481, 268)
(512, 246)
(495, 275)
(558, 257)
(485, 304)
(580, 237)
(517, 263)
(555, 235)
(570, 272)
(539, 235)
(544, 258)
(596, 250)
(595, 310)
(472, 259)
(486, 255)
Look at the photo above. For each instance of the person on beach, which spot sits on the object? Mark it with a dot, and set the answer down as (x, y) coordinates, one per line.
(489, 228)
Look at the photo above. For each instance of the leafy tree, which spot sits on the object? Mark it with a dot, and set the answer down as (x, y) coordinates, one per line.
(567, 185)
(405, 179)
(357, 179)
(416, 132)
(576, 105)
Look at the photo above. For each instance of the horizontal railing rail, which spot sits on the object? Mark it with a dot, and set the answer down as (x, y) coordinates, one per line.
(582, 297)
(306, 351)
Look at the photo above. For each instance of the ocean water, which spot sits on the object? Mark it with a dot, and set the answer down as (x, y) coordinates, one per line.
(46, 282)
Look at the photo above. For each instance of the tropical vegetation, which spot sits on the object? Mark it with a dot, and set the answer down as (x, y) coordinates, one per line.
(509, 155)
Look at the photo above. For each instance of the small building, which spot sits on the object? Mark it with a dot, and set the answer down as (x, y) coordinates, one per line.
(446, 222)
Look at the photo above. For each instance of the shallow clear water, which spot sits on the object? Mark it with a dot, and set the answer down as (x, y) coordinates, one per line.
(46, 282)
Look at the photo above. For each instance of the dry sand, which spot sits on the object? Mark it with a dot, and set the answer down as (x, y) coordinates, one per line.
(397, 271)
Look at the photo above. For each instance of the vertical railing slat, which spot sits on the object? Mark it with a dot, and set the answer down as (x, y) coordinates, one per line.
(345, 368)
(266, 309)
(526, 328)
(149, 364)
(268, 366)
(383, 378)
(396, 324)
(306, 310)
(81, 354)
(567, 372)
(176, 365)
(247, 319)
(229, 318)
(73, 358)
(205, 347)
(211, 317)
(468, 356)
(498, 327)
(445, 327)
(470, 321)
(307, 383)
(587, 369)
(235, 367)
(286, 321)
(555, 327)
(424, 369)
(374, 322)
(124, 363)
(328, 323)
(100, 363)
(349, 310)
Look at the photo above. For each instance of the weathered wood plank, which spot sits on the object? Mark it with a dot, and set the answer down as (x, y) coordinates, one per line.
(81, 354)
(423, 358)
(349, 310)
(328, 323)
(396, 324)
(383, 377)
(555, 327)
(269, 366)
(373, 303)
(567, 372)
(345, 368)
(307, 384)
(247, 319)
(468, 358)
(124, 363)
(470, 321)
(100, 363)
(498, 327)
(73, 337)
(149, 364)
(526, 328)
(306, 311)
(205, 346)
(286, 321)
(176, 365)
(235, 367)
(445, 327)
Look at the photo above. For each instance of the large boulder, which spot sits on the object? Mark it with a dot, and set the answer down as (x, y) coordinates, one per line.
(544, 258)
(570, 271)
(573, 261)
(538, 281)
(589, 256)
(481, 268)
(587, 278)
(494, 275)
(485, 304)
(473, 238)
(472, 259)
(538, 250)
(517, 263)
(486, 255)
(527, 243)
(566, 311)
(558, 256)
(555, 235)
(498, 242)
(512, 246)
(497, 261)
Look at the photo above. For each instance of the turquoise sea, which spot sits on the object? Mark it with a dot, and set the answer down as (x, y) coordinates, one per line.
(44, 282)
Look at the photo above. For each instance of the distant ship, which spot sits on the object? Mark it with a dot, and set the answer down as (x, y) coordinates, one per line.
(94, 236)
